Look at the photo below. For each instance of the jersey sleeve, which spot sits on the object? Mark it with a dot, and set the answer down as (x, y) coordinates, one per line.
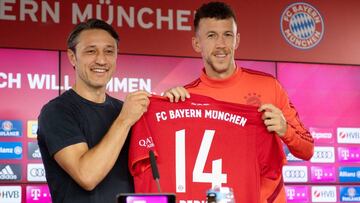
(297, 137)
(141, 143)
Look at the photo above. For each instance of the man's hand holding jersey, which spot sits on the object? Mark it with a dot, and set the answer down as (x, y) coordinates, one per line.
(273, 117)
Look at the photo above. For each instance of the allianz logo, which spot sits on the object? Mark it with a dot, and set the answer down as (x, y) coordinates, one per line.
(350, 174)
(7, 173)
(10, 150)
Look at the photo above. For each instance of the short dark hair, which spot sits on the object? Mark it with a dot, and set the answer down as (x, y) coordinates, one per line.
(89, 25)
(217, 10)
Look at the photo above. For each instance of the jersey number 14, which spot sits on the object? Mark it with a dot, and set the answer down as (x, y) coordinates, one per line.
(216, 177)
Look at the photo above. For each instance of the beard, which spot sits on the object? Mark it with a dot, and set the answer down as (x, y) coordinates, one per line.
(219, 67)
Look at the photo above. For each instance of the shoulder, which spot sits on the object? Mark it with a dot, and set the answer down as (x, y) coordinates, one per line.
(259, 78)
(192, 84)
(64, 104)
(257, 74)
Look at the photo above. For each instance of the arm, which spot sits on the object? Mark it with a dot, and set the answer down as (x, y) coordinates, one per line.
(283, 119)
(88, 167)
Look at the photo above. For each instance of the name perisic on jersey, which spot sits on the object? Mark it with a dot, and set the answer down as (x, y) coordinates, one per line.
(199, 113)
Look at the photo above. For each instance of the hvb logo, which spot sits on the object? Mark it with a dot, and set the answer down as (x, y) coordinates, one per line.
(348, 135)
(323, 194)
(10, 194)
(323, 174)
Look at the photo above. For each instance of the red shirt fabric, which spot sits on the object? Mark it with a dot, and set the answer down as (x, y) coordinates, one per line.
(254, 88)
(202, 143)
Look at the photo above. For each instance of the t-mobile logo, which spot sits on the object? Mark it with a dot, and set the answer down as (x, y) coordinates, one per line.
(291, 193)
(345, 154)
(35, 194)
(318, 173)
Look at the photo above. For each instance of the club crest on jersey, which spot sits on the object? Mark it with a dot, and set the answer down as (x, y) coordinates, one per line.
(147, 142)
(302, 26)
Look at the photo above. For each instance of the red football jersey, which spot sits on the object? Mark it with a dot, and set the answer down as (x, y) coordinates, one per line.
(202, 143)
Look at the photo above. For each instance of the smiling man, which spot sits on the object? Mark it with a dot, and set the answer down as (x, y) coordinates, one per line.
(82, 133)
(216, 39)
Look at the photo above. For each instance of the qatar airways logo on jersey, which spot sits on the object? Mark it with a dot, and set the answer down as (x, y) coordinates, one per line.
(323, 174)
(348, 135)
(322, 135)
(349, 154)
(297, 194)
(147, 142)
(323, 194)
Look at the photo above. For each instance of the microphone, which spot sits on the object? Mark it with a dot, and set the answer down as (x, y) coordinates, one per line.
(154, 170)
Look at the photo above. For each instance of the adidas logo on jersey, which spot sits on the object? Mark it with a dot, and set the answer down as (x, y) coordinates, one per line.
(7, 173)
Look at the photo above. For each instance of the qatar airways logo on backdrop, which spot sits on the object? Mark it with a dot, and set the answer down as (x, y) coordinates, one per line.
(302, 26)
(348, 135)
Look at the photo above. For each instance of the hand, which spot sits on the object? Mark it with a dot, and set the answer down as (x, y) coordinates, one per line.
(135, 105)
(176, 93)
(274, 119)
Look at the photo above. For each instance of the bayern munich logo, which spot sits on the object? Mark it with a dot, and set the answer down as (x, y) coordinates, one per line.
(302, 25)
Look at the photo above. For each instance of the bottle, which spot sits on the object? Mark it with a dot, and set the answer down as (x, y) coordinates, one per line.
(220, 195)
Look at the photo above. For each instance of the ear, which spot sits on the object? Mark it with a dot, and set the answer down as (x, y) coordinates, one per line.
(196, 44)
(71, 57)
(237, 43)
